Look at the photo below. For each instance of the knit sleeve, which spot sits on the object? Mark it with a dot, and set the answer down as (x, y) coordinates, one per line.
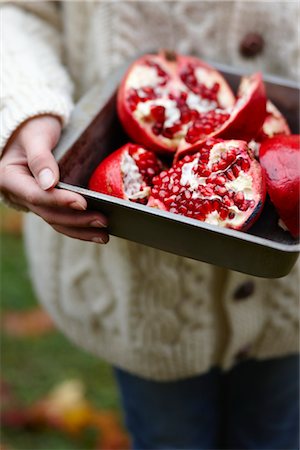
(34, 81)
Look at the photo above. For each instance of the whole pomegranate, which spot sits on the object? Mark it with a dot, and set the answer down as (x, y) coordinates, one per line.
(126, 173)
(280, 159)
(162, 95)
(222, 184)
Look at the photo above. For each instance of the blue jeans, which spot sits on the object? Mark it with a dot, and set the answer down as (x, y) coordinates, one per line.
(253, 406)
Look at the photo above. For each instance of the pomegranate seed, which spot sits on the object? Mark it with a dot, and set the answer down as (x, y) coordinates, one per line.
(148, 93)
(245, 165)
(158, 113)
(239, 198)
(216, 205)
(220, 180)
(168, 201)
(223, 213)
(222, 164)
(245, 205)
(215, 87)
(133, 99)
(162, 194)
(229, 175)
(171, 131)
(227, 201)
(231, 215)
(150, 171)
(194, 114)
(185, 116)
(229, 156)
(235, 169)
(220, 190)
(182, 209)
(206, 207)
(157, 129)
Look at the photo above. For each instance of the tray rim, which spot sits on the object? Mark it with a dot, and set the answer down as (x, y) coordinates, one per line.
(236, 234)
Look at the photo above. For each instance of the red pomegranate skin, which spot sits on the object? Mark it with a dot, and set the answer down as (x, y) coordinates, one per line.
(131, 181)
(222, 184)
(107, 177)
(175, 81)
(280, 159)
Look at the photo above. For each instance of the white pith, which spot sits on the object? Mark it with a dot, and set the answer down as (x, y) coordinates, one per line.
(243, 183)
(132, 179)
(213, 218)
(201, 105)
(216, 152)
(143, 76)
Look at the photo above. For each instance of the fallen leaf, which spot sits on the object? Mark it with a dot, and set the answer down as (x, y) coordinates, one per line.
(65, 408)
(113, 436)
(34, 322)
(11, 221)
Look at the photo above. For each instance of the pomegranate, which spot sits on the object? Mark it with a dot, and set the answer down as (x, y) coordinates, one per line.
(126, 173)
(222, 184)
(280, 159)
(243, 120)
(274, 125)
(162, 97)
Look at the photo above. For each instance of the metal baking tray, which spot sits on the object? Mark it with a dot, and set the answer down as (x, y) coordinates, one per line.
(266, 250)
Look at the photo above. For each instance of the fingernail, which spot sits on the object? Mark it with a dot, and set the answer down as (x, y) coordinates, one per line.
(46, 178)
(78, 205)
(99, 240)
(98, 223)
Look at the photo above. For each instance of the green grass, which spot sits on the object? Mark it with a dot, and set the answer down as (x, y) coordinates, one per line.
(33, 366)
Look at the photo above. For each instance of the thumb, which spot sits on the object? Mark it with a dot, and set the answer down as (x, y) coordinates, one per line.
(38, 139)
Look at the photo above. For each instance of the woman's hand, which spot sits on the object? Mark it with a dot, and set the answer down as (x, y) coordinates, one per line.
(29, 173)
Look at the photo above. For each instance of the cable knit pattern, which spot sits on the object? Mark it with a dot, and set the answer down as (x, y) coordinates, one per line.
(33, 81)
(154, 314)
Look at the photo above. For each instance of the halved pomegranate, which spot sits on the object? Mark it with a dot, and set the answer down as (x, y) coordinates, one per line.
(162, 96)
(127, 173)
(274, 125)
(222, 184)
(243, 120)
(280, 160)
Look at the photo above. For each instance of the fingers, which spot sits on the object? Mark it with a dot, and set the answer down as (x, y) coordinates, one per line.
(84, 234)
(38, 138)
(29, 174)
(68, 218)
(84, 225)
(23, 189)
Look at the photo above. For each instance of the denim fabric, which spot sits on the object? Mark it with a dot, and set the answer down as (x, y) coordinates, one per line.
(253, 406)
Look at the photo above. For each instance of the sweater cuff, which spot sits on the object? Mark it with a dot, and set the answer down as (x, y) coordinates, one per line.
(25, 106)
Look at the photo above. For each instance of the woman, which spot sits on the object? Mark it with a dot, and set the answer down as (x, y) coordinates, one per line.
(205, 357)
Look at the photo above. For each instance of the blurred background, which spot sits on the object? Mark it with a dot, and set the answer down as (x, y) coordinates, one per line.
(53, 396)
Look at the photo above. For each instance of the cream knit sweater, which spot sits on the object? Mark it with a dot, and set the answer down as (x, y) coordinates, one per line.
(155, 314)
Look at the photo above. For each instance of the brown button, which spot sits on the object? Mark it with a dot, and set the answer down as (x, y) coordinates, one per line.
(242, 354)
(244, 290)
(251, 45)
